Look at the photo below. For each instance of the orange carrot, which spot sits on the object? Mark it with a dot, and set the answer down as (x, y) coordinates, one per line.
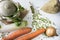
(31, 35)
(17, 33)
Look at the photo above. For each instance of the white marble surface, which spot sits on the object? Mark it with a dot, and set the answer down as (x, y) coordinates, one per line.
(53, 17)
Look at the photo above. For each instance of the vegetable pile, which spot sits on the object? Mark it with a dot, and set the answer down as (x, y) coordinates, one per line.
(12, 13)
(24, 33)
(40, 21)
(40, 24)
(19, 34)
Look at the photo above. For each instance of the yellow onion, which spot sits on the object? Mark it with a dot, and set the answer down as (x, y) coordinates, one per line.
(51, 31)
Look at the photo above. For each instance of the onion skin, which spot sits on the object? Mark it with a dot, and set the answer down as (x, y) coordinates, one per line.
(51, 31)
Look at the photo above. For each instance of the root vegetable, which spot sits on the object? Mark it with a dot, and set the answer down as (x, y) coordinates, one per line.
(17, 33)
(31, 35)
(51, 31)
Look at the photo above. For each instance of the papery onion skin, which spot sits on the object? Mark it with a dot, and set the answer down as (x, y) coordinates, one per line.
(51, 31)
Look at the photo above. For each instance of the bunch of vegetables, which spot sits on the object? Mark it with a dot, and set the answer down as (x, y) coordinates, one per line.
(50, 30)
(12, 13)
(26, 34)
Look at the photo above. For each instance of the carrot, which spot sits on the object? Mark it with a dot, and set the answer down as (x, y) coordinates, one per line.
(17, 33)
(31, 35)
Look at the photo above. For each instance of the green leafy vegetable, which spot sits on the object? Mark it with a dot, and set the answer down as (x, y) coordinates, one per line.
(16, 18)
(0, 26)
(22, 23)
(32, 9)
(21, 8)
(18, 23)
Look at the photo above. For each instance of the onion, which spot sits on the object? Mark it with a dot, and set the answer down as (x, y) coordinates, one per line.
(51, 31)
